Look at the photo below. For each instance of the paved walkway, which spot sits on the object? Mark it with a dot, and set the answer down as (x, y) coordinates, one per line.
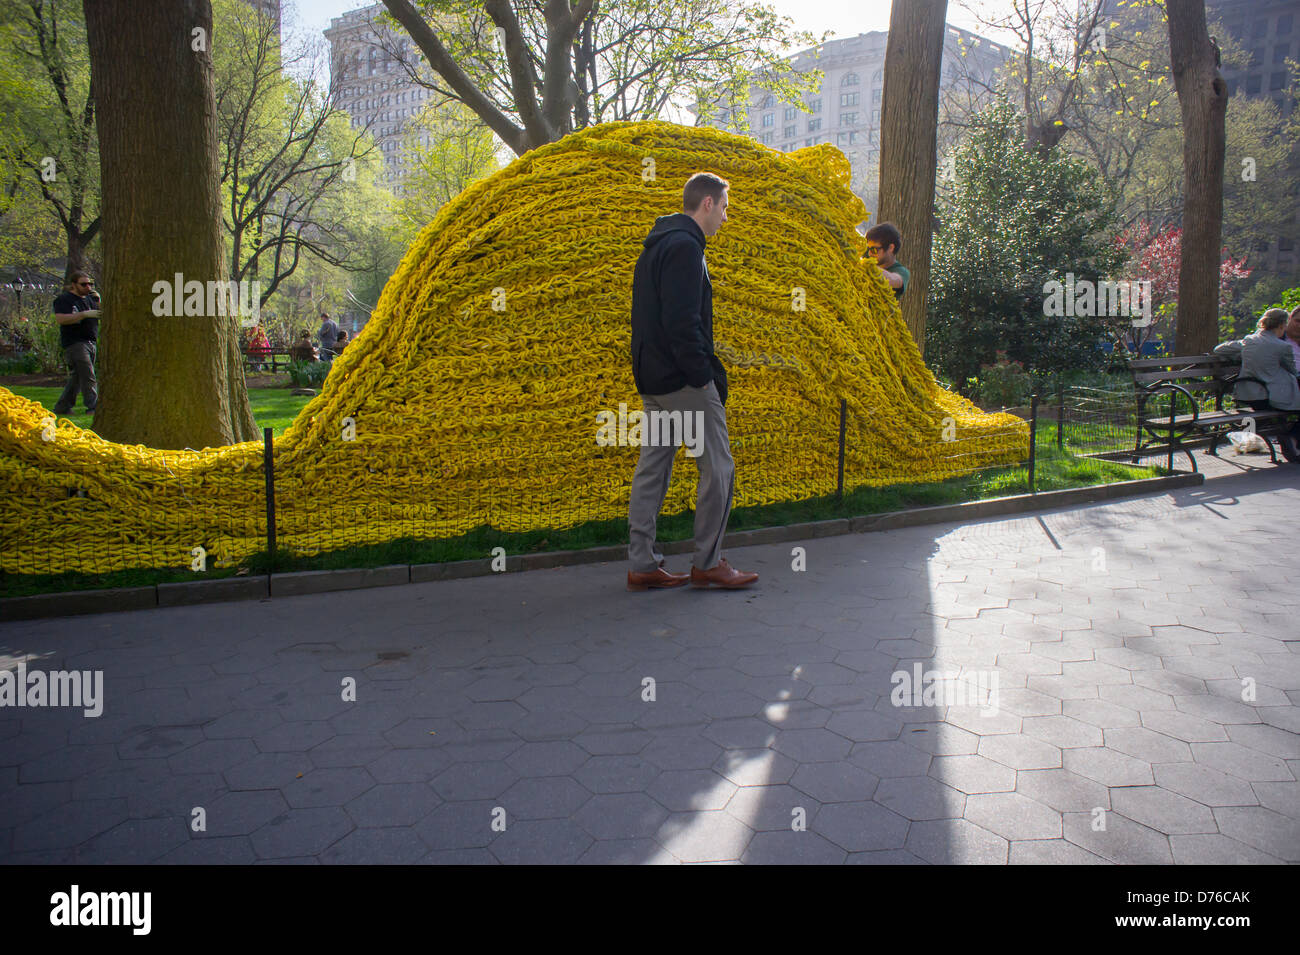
(1147, 676)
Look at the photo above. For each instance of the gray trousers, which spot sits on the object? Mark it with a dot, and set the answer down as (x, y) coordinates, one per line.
(654, 471)
(81, 377)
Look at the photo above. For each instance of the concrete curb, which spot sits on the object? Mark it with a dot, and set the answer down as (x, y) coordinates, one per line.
(325, 581)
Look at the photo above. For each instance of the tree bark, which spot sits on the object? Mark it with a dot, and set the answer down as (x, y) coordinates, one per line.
(170, 381)
(909, 122)
(1203, 100)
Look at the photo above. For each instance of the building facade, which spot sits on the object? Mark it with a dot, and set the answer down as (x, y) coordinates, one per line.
(373, 87)
(845, 111)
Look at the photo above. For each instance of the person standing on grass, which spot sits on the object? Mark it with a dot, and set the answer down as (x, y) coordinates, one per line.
(883, 243)
(677, 372)
(328, 334)
(77, 312)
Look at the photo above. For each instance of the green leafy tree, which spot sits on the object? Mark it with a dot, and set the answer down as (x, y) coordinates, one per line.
(1018, 218)
(534, 72)
(49, 156)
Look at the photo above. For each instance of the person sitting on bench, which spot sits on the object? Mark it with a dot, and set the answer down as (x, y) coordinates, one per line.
(1267, 380)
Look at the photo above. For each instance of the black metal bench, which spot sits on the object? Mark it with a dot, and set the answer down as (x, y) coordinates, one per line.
(275, 357)
(1192, 380)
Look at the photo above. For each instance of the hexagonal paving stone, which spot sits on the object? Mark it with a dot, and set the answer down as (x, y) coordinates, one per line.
(1062, 731)
(388, 805)
(1204, 784)
(1241, 761)
(888, 758)
(1107, 766)
(626, 852)
(1122, 841)
(1147, 745)
(919, 797)
(812, 745)
(865, 725)
(396, 846)
(1051, 852)
(616, 774)
(755, 767)
(625, 739)
(621, 816)
(680, 790)
(858, 826)
(940, 739)
(267, 771)
(1216, 849)
(1162, 810)
(956, 842)
(1261, 828)
(1013, 816)
(472, 781)
(556, 758)
(771, 808)
(973, 774)
(549, 797)
(792, 848)
(1020, 752)
(460, 825)
(240, 813)
(704, 836)
(681, 752)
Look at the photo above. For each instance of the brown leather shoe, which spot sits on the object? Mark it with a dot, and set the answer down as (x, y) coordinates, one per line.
(724, 575)
(656, 578)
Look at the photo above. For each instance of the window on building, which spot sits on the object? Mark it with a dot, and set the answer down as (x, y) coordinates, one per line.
(848, 99)
(791, 131)
(875, 117)
(814, 125)
(1277, 81)
(768, 102)
(769, 119)
(789, 112)
(1284, 24)
(841, 139)
(850, 79)
(809, 141)
(875, 96)
(853, 138)
(1285, 245)
(1281, 52)
(848, 119)
(1253, 84)
(815, 106)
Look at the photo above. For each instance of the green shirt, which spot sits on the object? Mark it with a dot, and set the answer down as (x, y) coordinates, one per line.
(899, 269)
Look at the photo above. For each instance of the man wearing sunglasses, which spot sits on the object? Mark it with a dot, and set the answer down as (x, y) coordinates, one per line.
(883, 243)
(77, 311)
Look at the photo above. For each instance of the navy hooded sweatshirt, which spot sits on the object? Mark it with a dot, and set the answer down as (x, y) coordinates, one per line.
(672, 312)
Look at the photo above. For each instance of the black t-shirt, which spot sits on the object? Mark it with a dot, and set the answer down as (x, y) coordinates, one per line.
(87, 330)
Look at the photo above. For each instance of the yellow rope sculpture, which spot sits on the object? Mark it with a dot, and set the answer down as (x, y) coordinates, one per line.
(471, 397)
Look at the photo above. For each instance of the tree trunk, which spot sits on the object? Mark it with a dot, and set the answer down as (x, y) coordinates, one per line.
(166, 381)
(1203, 100)
(909, 120)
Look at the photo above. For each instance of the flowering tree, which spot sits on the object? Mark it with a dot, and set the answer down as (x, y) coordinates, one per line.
(1155, 256)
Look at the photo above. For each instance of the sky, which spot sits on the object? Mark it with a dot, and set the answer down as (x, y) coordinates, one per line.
(844, 17)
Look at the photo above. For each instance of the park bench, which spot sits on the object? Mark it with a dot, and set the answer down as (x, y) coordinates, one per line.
(275, 357)
(1192, 381)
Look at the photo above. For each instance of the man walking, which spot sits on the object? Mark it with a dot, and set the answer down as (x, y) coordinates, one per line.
(677, 374)
(328, 333)
(77, 312)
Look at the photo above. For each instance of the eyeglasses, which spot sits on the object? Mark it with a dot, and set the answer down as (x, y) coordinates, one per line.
(86, 284)
(873, 248)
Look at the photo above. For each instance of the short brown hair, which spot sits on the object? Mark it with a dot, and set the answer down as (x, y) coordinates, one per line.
(699, 186)
(75, 276)
(886, 234)
(1273, 318)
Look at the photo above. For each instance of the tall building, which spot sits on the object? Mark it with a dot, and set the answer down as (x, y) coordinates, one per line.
(846, 109)
(372, 86)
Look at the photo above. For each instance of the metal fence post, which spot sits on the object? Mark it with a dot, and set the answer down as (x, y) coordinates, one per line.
(1033, 438)
(1060, 414)
(839, 485)
(268, 465)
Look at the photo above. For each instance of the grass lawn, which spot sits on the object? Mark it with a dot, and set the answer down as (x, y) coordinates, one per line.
(273, 408)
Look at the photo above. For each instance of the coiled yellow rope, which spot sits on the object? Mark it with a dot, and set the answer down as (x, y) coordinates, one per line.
(475, 386)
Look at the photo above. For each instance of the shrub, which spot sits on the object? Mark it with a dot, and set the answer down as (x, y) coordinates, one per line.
(1004, 384)
(308, 374)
